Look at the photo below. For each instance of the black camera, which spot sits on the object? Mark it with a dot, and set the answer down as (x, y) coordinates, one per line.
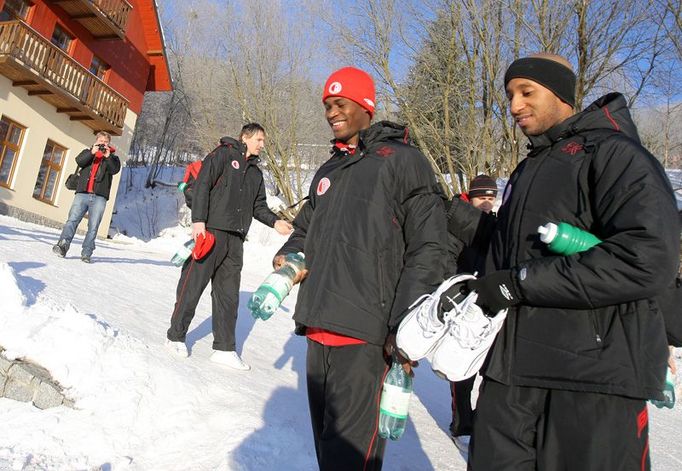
(102, 147)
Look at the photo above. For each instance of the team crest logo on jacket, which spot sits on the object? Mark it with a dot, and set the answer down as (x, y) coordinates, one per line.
(572, 148)
(235, 165)
(385, 151)
(323, 185)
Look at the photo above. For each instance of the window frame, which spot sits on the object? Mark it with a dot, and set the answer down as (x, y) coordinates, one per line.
(102, 67)
(72, 39)
(50, 167)
(26, 6)
(4, 144)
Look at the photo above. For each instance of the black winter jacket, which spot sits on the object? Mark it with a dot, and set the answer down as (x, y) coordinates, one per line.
(229, 190)
(373, 234)
(466, 258)
(107, 169)
(587, 322)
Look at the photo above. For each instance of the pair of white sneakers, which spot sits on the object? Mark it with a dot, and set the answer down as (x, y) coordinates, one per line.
(231, 359)
(457, 345)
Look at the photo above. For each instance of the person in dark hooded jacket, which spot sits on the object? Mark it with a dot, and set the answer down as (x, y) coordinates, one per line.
(98, 165)
(228, 193)
(373, 234)
(584, 343)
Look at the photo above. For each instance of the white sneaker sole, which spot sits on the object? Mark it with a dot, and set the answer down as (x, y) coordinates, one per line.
(229, 362)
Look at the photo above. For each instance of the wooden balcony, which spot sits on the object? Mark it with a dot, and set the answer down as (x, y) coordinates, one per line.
(105, 19)
(34, 63)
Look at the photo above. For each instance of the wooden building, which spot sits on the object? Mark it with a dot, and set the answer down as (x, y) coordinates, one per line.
(70, 68)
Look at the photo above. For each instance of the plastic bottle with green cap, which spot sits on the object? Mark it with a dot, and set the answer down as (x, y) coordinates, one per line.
(270, 294)
(565, 239)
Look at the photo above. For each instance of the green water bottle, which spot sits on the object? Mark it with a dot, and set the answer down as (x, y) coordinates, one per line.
(565, 239)
(270, 294)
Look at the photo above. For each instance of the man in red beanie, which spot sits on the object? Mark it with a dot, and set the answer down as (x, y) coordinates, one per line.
(373, 233)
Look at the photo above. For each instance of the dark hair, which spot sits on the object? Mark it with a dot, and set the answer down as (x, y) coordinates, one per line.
(250, 129)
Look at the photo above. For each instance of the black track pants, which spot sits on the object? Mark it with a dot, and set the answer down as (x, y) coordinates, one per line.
(462, 414)
(523, 428)
(344, 388)
(222, 267)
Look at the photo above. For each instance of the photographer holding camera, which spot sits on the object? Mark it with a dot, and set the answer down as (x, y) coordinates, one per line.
(97, 167)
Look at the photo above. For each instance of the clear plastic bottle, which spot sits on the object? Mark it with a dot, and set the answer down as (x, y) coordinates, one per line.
(395, 402)
(183, 253)
(565, 239)
(668, 392)
(270, 294)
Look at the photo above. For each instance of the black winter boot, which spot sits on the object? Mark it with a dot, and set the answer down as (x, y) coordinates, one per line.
(60, 248)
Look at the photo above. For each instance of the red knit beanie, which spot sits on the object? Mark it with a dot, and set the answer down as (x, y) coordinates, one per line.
(354, 84)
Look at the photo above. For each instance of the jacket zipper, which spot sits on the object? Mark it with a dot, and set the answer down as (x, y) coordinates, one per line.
(382, 293)
(597, 335)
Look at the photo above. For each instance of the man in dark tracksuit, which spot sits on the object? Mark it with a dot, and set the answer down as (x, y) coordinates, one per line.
(229, 191)
(373, 234)
(583, 345)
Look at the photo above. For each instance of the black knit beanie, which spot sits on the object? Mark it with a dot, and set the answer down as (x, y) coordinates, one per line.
(552, 75)
(482, 185)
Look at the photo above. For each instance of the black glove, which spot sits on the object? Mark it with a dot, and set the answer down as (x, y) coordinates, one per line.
(451, 297)
(496, 291)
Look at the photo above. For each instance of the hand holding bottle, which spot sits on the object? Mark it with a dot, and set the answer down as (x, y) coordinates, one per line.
(280, 260)
(395, 402)
(270, 294)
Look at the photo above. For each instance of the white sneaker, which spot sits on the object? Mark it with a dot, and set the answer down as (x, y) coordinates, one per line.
(230, 359)
(177, 348)
(421, 330)
(470, 333)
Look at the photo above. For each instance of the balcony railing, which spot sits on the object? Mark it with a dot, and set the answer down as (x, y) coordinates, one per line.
(33, 62)
(105, 19)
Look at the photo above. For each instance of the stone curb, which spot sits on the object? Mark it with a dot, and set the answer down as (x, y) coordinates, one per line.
(27, 382)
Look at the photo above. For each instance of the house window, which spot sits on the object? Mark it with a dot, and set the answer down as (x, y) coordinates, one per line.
(48, 175)
(11, 135)
(98, 67)
(61, 38)
(15, 9)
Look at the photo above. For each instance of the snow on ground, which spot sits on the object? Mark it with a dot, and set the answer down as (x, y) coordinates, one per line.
(99, 329)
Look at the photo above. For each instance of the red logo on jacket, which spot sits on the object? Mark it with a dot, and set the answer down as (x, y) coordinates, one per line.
(385, 151)
(322, 186)
(235, 164)
(572, 148)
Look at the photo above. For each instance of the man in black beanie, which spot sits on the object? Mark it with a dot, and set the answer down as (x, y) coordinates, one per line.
(584, 344)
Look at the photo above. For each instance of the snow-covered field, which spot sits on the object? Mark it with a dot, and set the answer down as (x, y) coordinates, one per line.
(99, 329)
